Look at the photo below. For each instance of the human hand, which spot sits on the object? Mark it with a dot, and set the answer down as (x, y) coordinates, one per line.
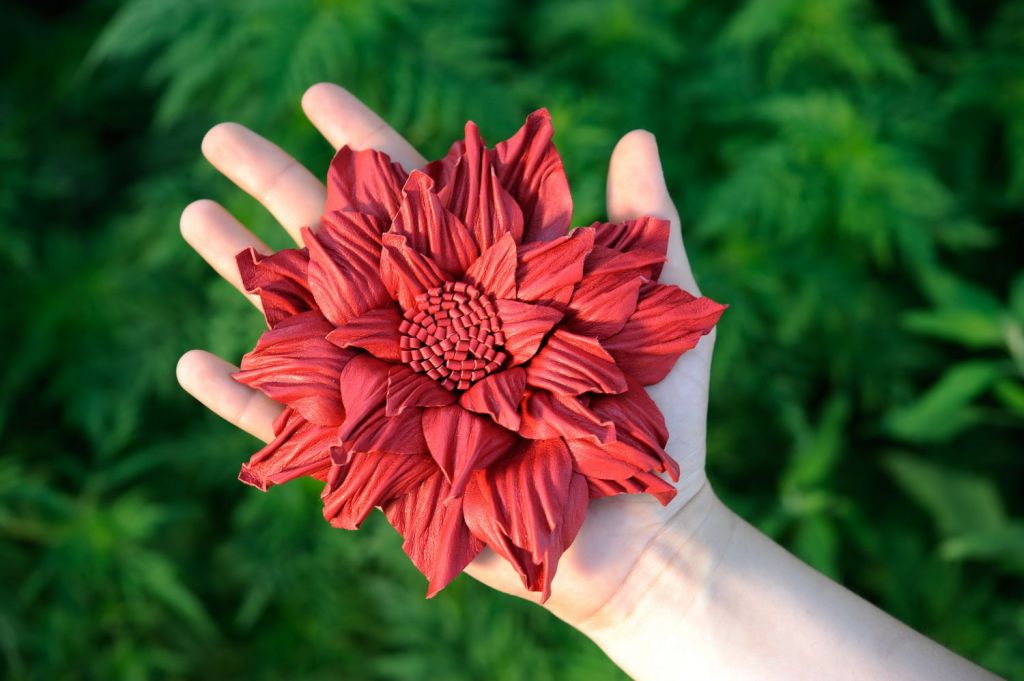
(620, 531)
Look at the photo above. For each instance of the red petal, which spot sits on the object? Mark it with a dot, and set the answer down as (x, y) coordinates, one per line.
(639, 425)
(474, 194)
(375, 331)
(498, 395)
(461, 441)
(407, 273)
(380, 433)
(363, 481)
(363, 385)
(603, 260)
(344, 262)
(442, 170)
(546, 415)
(529, 509)
(299, 448)
(294, 364)
(602, 303)
(641, 483)
(279, 279)
(432, 230)
(407, 389)
(494, 272)
(612, 461)
(668, 321)
(365, 181)
(525, 326)
(646, 233)
(530, 168)
(571, 364)
(549, 270)
(436, 537)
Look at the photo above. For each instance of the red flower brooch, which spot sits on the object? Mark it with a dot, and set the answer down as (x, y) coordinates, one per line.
(447, 350)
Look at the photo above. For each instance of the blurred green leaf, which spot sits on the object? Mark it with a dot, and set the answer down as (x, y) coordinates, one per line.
(945, 409)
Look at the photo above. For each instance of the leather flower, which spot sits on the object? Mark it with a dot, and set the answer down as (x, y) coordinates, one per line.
(448, 351)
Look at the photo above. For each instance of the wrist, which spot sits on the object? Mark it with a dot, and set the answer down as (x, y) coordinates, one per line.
(664, 590)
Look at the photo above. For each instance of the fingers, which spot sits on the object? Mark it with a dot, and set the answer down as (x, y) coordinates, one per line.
(285, 188)
(208, 379)
(636, 187)
(217, 236)
(343, 119)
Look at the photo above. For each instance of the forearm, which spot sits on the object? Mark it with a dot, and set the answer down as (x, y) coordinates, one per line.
(713, 598)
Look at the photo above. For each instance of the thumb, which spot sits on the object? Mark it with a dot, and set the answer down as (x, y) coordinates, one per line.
(636, 187)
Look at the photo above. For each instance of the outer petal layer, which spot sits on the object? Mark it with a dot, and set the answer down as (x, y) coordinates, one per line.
(360, 481)
(365, 181)
(529, 509)
(548, 271)
(432, 230)
(667, 322)
(474, 193)
(436, 537)
(294, 364)
(344, 265)
(280, 280)
(571, 364)
(298, 448)
(529, 167)
(646, 233)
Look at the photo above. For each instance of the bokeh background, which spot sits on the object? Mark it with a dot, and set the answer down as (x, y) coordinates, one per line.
(851, 180)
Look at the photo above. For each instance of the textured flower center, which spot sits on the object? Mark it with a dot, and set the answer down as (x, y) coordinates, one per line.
(454, 336)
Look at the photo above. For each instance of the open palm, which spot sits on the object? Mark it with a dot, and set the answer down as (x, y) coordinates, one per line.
(618, 529)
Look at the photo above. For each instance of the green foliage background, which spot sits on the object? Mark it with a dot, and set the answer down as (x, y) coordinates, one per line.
(851, 179)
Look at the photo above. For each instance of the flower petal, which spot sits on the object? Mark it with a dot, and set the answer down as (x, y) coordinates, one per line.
(604, 260)
(375, 331)
(475, 195)
(298, 448)
(645, 233)
(344, 265)
(280, 280)
(378, 433)
(294, 364)
(368, 427)
(407, 273)
(408, 389)
(494, 272)
(529, 509)
(667, 322)
(525, 326)
(549, 270)
(461, 441)
(365, 181)
(612, 461)
(363, 386)
(572, 364)
(529, 167)
(436, 537)
(547, 415)
(602, 303)
(432, 230)
(361, 481)
(498, 395)
(639, 425)
(641, 483)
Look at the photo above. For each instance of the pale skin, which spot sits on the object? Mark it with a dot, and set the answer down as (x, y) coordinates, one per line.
(688, 590)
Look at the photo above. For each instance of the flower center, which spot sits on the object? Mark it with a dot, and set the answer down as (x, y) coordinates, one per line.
(454, 336)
